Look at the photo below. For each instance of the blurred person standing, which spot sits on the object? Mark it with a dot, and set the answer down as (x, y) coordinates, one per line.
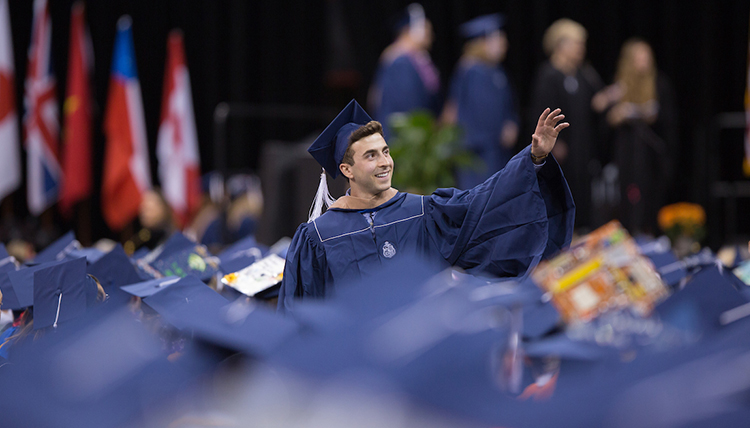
(481, 100)
(406, 79)
(643, 114)
(567, 81)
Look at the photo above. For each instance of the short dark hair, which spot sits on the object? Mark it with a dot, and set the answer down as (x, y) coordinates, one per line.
(370, 128)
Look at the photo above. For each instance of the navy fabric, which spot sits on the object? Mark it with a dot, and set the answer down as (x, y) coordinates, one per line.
(501, 228)
(150, 287)
(103, 370)
(114, 269)
(57, 250)
(485, 103)
(697, 307)
(184, 299)
(10, 300)
(23, 283)
(401, 89)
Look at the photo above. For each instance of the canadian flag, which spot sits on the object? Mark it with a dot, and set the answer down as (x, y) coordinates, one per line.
(177, 142)
(10, 161)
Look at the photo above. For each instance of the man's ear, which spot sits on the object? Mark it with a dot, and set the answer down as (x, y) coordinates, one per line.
(346, 169)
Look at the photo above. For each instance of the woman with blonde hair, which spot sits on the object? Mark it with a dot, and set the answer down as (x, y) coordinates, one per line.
(642, 113)
(567, 81)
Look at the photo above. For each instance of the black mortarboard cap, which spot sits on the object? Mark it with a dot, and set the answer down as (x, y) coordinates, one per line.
(329, 148)
(482, 25)
(61, 292)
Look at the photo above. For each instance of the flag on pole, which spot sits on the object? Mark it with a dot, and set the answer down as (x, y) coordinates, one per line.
(746, 163)
(41, 124)
(76, 160)
(127, 173)
(177, 143)
(10, 159)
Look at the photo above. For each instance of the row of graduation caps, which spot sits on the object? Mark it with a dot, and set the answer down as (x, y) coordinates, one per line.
(96, 365)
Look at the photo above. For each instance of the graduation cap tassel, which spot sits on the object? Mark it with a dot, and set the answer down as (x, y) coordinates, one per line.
(322, 197)
(57, 315)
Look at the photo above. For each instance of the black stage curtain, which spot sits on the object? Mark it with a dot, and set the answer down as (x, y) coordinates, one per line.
(280, 51)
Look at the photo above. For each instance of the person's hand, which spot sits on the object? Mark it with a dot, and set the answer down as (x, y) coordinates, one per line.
(545, 134)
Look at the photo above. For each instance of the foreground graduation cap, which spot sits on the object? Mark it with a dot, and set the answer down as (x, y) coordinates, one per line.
(482, 26)
(103, 370)
(62, 292)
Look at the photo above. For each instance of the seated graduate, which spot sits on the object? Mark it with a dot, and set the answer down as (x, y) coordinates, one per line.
(500, 228)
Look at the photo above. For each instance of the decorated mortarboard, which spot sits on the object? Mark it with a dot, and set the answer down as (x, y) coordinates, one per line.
(257, 278)
(62, 292)
(329, 149)
(175, 244)
(57, 250)
(149, 287)
(183, 299)
(482, 26)
(194, 260)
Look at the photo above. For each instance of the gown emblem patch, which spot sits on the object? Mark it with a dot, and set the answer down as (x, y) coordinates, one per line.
(388, 250)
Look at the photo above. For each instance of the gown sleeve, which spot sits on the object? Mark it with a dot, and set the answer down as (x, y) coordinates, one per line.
(305, 270)
(504, 226)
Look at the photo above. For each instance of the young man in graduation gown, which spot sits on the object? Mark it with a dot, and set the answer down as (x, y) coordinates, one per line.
(500, 228)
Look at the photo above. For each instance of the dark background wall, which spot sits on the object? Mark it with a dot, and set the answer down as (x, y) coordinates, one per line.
(282, 51)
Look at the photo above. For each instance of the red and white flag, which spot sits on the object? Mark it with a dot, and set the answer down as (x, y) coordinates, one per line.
(177, 143)
(76, 161)
(10, 160)
(127, 174)
(41, 123)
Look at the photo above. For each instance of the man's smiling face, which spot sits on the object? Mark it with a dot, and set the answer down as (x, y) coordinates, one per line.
(371, 172)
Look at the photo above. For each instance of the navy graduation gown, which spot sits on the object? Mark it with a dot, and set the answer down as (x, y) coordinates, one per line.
(502, 228)
(484, 102)
(408, 83)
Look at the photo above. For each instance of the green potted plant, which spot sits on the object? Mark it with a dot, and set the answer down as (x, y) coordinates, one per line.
(425, 153)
